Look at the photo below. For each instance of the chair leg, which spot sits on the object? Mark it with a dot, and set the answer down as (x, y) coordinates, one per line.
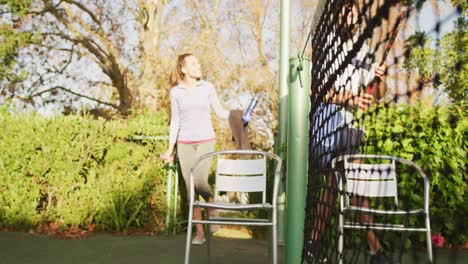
(208, 234)
(270, 243)
(404, 236)
(274, 231)
(341, 237)
(189, 236)
(270, 240)
(275, 243)
(428, 238)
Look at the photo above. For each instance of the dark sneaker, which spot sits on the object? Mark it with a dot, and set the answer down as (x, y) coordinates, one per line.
(380, 257)
(314, 248)
(313, 259)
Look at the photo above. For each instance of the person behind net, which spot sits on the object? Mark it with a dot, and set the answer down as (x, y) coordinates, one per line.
(334, 130)
(191, 101)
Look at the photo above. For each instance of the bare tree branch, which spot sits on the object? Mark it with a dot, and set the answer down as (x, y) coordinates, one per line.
(74, 93)
(95, 83)
(87, 11)
(46, 9)
(101, 36)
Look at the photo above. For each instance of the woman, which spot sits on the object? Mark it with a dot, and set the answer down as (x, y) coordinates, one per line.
(191, 128)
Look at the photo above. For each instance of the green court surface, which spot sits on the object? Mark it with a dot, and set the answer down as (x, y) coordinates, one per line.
(24, 248)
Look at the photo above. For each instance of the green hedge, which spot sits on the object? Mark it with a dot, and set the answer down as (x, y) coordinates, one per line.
(436, 139)
(78, 171)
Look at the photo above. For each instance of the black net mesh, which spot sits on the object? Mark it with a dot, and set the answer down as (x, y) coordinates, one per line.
(360, 107)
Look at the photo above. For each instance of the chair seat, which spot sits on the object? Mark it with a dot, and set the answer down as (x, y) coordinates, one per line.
(383, 212)
(365, 224)
(233, 206)
(381, 226)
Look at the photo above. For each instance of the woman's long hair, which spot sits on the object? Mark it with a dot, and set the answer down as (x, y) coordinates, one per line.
(177, 74)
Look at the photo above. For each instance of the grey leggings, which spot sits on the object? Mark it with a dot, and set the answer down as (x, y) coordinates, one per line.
(188, 154)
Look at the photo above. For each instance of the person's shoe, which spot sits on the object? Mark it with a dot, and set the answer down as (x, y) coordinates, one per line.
(380, 257)
(313, 248)
(214, 228)
(314, 259)
(198, 241)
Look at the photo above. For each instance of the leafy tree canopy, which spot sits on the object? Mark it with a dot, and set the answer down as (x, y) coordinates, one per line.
(445, 64)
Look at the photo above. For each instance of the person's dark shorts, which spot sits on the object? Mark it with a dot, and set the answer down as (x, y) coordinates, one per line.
(350, 141)
(346, 141)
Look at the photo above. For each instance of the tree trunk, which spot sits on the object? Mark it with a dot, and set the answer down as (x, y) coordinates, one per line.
(95, 42)
(150, 24)
(119, 81)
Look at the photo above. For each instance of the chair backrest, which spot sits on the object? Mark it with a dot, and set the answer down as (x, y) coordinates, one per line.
(243, 171)
(241, 175)
(375, 180)
(370, 180)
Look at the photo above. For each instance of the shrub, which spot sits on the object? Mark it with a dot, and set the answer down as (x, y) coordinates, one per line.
(435, 139)
(78, 171)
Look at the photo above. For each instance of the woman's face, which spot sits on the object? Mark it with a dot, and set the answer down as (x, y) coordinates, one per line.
(192, 67)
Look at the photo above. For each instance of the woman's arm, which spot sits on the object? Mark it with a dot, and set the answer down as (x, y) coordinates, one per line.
(362, 100)
(173, 130)
(216, 105)
(346, 97)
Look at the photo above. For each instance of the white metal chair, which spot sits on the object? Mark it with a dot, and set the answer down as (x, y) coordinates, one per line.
(372, 181)
(237, 171)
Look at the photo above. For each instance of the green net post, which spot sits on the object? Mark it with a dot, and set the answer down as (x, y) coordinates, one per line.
(297, 156)
(280, 142)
